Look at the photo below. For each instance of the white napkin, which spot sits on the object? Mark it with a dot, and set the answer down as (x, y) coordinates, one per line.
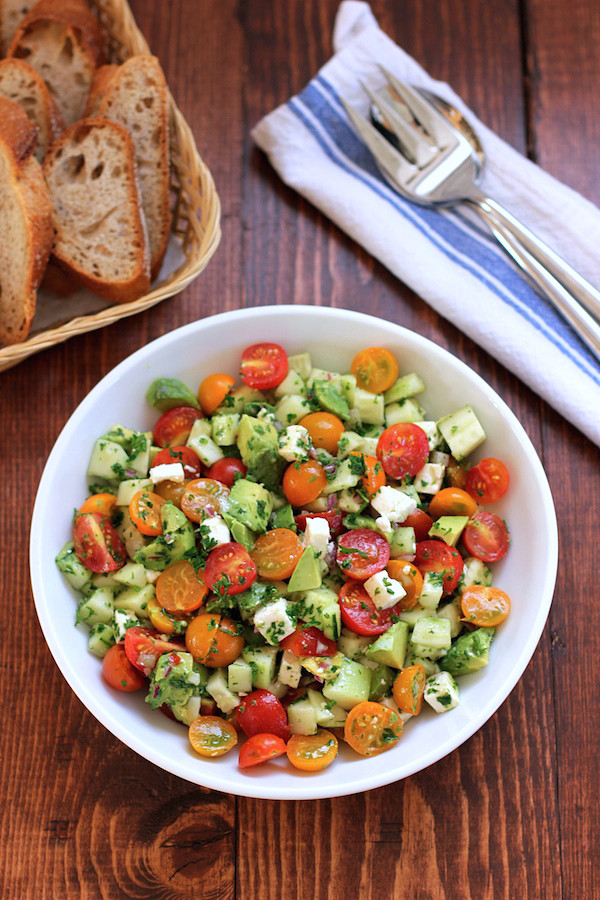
(444, 256)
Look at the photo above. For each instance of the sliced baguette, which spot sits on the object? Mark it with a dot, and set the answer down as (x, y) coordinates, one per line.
(20, 83)
(63, 41)
(101, 234)
(135, 95)
(26, 231)
(11, 13)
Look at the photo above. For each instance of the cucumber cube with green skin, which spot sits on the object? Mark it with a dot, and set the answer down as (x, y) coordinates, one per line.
(218, 689)
(462, 431)
(432, 590)
(469, 652)
(201, 442)
(413, 658)
(293, 383)
(302, 716)
(369, 407)
(101, 639)
(348, 388)
(129, 487)
(131, 575)
(327, 713)
(351, 442)
(291, 408)
(390, 647)
(351, 686)
(431, 631)
(412, 616)
(321, 607)
(307, 574)
(405, 386)
(345, 477)
(333, 378)
(453, 613)
(74, 571)
(405, 411)
(448, 528)
(105, 580)
(98, 607)
(225, 428)
(353, 645)
(108, 460)
(262, 661)
(135, 600)
(301, 363)
(239, 676)
(403, 542)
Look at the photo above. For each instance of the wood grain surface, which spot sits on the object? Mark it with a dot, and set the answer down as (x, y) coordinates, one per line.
(514, 812)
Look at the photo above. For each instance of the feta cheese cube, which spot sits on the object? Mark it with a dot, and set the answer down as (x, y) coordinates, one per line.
(217, 530)
(438, 457)
(441, 692)
(290, 669)
(167, 472)
(393, 503)
(274, 622)
(432, 590)
(317, 536)
(429, 479)
(383, 590)
(383, 524)
(294, 443)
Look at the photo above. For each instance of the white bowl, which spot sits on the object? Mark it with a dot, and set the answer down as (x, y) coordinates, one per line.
(333, 336)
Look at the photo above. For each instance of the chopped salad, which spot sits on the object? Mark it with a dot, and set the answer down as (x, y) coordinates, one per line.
(300, 558)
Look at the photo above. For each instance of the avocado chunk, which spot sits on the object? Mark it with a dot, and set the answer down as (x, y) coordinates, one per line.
(250, 504)
(448, 528)
(176, 540)
(166, 393)
(352, 685)
(240, 534)
(331, 399)
(390, 648)
(469, 652)
(382, 679)
(173, 682)
(307, 574)
(259, 448)
(284, 517)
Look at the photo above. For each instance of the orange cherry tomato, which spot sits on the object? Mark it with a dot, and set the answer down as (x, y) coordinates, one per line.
(303, 482)
(276, 553)
(374, 476)
(171, 491)
(325, 430)
(488, 481)
(452, 501)
(180, 589)
(213, 640)
(260, 748)
(408, 689)
(212, 736)
(483, 605)
(213, 391)
(99, 503)
(312, 752)
(118, 672)
(144, 509)
(375, 368)
(372, 728)
(411, 580)
(204, 497)
(456, 473)
(164, 623)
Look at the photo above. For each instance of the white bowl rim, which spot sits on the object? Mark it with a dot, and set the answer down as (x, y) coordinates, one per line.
(262, 788)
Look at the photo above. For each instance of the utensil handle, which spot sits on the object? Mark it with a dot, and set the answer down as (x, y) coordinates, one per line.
(575, 283)
(564, 301)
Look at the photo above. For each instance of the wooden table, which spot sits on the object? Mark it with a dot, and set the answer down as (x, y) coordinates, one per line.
(514, 812)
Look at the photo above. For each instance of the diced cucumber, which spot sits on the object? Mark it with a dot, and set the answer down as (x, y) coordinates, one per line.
(302, 716)
(239, 676)
(139, 459)
(135, 600)
(348, 389)
(108, 460)
(225, 428)
(129, 487)
(390, 648)
(405, 386)
(344, 478)
(262, 663)
(129, 534)
(404, 411)
(453, 612)
(105, 580)
(301, 363)
(202, 444)
(430, 631)
(218, 689)
(290, 669)
(432, 590)
(291, 408)
(320, 607)
(122, 620)
(351, 442)
(351, 686)
(412, 616)
(324, 375)
(131, 575)
(293, 383)
(327, 713)
(403, 542)
(74, 571)
(462, 431)
(236, 400)
(101, 639)
(369, 407)
(353, 645)
(98, 607)
(350, 501)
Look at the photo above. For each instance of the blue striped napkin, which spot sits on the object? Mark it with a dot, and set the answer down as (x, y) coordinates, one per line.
(446, 256)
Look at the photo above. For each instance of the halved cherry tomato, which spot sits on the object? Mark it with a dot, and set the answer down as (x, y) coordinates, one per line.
(312, 752)
(213, 640)
(408, 689)
(488, 481)
(180, 589)
(307, 640)
(411, 580)
(403, 449)
(486, 536)
(456, 473)
(224, 470)
(143, 648)
(452, 501)
(144, 509)
(118, 672)
(192, 467)
(324, 429)
(333, 518)
(421, 522)
(483, 605)
(97, 544)
(260, 712)
(171, 491)
(212, 736)
(264, 366)
(303, 482)
(174, 426)
(229, 569)
(374, 476)
(372, 728)
(359, 613)
(103, 504)
(361, 553)
(260, 748)
(276, 553)
(375, 368)
(161, 620)
(213, 391)
(436, 556)
(204, 497)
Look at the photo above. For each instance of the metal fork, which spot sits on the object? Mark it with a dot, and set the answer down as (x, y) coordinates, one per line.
(433, 164)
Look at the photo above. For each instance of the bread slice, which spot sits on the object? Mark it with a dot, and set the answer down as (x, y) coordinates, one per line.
(25, 224)
(11, 13)
(20, 83)
(100, 229)
(63, 41)
(135, 95)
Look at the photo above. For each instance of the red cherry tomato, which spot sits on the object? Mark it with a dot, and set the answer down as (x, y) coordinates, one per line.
(333, 517)
(359, 613)
(436, 556)
(229, 569)
(260, 748)
(264, 366)
(260, 712)
(307, 640)
(224, 470)
(97, 544)
(173, 428)
(486, 536)
(403, 449)
(421, 522)
(118, 672)
(143, 648)
(488, 481)
(192, 467)
(361, 553)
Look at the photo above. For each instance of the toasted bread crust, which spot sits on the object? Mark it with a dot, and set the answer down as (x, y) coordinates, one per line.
(100, 85)
(16, 78)
(11, 13)
(16, 130)
(72, 13)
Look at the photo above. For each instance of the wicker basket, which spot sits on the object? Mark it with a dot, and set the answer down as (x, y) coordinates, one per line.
(195, 203)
